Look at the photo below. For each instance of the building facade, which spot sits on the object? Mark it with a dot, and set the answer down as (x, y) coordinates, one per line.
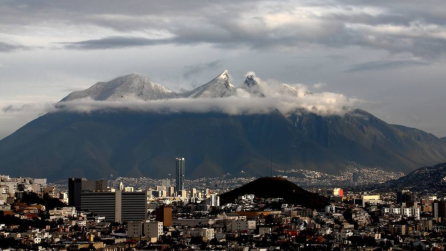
(78, 185)
(180, 169)
(116, 206)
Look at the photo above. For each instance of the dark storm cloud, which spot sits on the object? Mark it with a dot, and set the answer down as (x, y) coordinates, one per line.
(384, 65)
(191, 70)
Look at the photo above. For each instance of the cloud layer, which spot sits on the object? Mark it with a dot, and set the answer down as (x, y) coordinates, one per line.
(389, 52)
(8, 47)
(286, 98)
(397, 27)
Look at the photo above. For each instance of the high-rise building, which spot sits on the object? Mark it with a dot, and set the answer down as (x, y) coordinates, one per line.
(183, 194)
(74, 192)
(180, 169)
(405, 196)
(171, 191)
(213, 200)
(78, 185)
(116, 206)
(164, 214)
(105, 204)
(134, 206)
(439, 208)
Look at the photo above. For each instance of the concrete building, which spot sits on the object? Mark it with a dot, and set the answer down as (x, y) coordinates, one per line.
(116, 206)
(213, 200)
(78, 185)
(241, 225)
(153, 229)
(439, 208)
(105, 204)
(128, 189)
(180, 169)
(171, 191)
(164, 214)
(371, 199)
(206, 234)
(134, 229)
(74, 192)
(134, 206)
(183, 194)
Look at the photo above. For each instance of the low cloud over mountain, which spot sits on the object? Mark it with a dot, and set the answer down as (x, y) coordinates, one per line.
(255, 96)
(131, 126)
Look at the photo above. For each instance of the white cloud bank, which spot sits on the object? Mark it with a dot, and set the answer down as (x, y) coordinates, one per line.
(323, 104)
(266, 97)
(286, 98)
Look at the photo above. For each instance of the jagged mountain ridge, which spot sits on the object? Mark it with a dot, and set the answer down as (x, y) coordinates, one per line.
(217, 88)
(131, 86)
(137, 87)
(129, 143)
(252, 86)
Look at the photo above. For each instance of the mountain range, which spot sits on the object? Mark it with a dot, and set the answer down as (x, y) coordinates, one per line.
(119, 142)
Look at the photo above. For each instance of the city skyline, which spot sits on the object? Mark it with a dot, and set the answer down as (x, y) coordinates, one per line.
(306, 125)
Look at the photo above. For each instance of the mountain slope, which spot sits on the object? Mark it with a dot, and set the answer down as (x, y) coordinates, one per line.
(128, 143)
(97, 144)
(100, 143)
(275, 187)
(425, 179)
(131, 86)
(217, 88)
(361, 137)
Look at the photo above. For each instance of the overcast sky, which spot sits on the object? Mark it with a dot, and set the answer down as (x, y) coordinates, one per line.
(390, 54)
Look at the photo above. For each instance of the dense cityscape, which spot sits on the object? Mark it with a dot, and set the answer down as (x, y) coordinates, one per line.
(180, 214)
(247, 125)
